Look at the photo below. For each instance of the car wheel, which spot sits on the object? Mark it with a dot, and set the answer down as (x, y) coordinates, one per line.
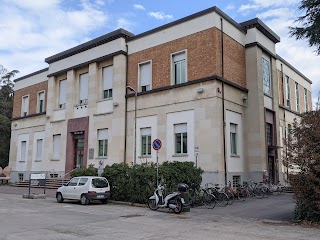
(84, 200)
(104, 201)
(60, 199)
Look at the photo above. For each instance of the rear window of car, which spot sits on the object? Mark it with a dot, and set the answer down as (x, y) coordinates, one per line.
(99, 183)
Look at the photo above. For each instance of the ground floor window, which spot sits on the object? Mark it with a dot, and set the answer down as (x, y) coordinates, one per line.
(236, 181)
(145, 141)
(181, 138)
(103, 142)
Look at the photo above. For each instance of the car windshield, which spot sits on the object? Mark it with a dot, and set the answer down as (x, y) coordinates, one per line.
(99, 183)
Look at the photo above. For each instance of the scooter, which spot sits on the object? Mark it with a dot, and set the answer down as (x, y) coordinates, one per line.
(173, 201)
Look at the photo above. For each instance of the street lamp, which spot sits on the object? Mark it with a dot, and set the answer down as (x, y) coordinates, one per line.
(135, 122)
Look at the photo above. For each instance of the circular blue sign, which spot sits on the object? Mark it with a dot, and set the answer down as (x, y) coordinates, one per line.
(156, 144)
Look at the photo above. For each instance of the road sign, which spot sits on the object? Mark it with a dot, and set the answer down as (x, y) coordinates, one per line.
(196, 150)
(156, 144)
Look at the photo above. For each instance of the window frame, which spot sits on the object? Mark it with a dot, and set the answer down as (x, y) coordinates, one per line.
(53, 146)
(306, 100)
(23, 153)
(139, 76)
(62, 105)
(173, 72)
(180, 136)
(148, 147)
(288, 102)
(85, 100)
(234, 140)
(107, 93)
(264, 60)
(38, 159)
(39, 103)
(23, 113)
(104, 143)
(297, 97)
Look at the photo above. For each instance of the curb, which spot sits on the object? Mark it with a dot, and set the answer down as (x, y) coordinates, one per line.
(127, 203)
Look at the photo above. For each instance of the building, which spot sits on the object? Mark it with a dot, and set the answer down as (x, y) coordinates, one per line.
(203, 82)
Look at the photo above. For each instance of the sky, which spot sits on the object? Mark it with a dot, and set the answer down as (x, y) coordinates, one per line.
(32, 30)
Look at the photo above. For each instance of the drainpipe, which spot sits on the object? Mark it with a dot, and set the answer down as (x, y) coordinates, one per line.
(125, 112)
(284, 116)
(223, 114)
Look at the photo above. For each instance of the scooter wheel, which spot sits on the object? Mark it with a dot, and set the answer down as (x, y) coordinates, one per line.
(152, 204)
(178, 207)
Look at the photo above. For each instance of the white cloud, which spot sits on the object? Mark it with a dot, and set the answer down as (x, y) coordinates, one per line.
(230, 7)
(278, 13)
(125, 23)
(275, 3)
(160, 15)
(138, 7)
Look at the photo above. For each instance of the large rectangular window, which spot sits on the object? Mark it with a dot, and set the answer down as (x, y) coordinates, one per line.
(103, 142)
(179, 67)
(306, 100)
(269, 134)
(40, 102)
(39, 149)
(145, 76)
(233, 139)
(288, 92)
(107, 76)
(181, 138)
(56, 146)
(62, 93)
(25, 106)
(266, 76)
(84, 85)
(23, 155)
(145, 141)
(297, 97)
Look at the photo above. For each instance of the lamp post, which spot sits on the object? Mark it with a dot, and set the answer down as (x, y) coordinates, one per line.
(135, 122)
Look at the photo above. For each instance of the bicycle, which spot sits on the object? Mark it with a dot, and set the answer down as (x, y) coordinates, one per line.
(201, 196)
(220, 197)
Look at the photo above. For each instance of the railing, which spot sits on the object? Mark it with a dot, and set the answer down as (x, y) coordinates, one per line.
(67, 175)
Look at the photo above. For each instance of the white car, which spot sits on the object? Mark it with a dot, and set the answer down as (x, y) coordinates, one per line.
(85, 189)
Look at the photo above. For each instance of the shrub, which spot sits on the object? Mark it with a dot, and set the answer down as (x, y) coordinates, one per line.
(90, 171)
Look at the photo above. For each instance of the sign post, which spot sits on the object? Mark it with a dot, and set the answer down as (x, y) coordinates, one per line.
(196, 153)
(157, 144)
(37, 180)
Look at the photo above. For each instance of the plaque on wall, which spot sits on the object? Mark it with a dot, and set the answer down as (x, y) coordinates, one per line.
(91, 153)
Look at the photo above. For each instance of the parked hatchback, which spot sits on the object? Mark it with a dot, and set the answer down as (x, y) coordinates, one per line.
(85, 189)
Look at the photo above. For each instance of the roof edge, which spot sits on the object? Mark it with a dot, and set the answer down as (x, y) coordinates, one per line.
(31, 74)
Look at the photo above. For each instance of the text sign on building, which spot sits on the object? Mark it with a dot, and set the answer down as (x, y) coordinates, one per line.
(38, 179)
(196, 150)
(157, 144)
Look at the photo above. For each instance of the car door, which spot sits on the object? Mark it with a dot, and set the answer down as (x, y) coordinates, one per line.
(80, 188)
(70, 188)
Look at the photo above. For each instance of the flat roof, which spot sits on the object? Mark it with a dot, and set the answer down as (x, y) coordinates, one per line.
(31, 74)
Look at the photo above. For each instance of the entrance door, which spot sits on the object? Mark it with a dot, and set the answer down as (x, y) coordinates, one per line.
(79, 153)
(271, 169)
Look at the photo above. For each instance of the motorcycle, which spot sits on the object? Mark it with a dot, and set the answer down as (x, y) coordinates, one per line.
(173, 201)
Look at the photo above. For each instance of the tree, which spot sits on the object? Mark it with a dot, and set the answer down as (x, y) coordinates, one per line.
(6, 105)
(310, 24)
(303, 159)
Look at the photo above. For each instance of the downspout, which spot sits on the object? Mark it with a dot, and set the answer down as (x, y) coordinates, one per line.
(223, 114)
(284, 87)
(125, 112)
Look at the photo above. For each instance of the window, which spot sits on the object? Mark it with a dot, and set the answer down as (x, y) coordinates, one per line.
(20, 177)
(306, 99)
(289, 130)
(25, 106)
(266, 76)
(82, 181)
(62, 94)
(84, 81)
(181, 138)
(73, 182)
(23, 155)
(179, 67)
(99, 183)
(103, 142)
(107, 76)
(39, 149)
(41, 102)
(56, 146)
(145, 141)
(288, 92)
(236, 180)
(145, 76)
(297, 97)
(269, 134)
(233, 139)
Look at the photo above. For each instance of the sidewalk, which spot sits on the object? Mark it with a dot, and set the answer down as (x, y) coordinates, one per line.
(23, 190)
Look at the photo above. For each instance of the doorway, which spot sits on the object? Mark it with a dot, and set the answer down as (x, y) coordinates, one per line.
(79, 151)
(271, 169)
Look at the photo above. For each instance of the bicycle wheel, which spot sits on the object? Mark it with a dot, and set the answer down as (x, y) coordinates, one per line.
(283, 190)
(241, 194)
(258, 193)
(266, 191)
(276, 190)
(230, 197)
(209, 200)
(222, 199)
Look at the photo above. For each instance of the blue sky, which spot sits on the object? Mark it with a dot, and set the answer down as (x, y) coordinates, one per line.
(32, 30)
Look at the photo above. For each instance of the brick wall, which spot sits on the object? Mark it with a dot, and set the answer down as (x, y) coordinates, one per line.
(32, 91)
(203, 59)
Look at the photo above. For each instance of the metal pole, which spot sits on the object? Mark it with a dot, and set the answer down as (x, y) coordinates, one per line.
(29, 185)
(157, 168)
(135, 127)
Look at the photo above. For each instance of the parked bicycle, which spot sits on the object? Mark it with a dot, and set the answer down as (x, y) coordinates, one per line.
(221, 197)
(201, 197)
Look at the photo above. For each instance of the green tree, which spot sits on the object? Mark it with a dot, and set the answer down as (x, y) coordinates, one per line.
(303, 159)
(310, 28)
(6, 105)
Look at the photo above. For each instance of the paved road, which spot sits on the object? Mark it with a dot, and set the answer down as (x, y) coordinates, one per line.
(26, 219)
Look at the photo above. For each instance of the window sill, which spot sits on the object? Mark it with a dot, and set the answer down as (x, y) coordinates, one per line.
(267, 95)
(145, 156)
(102, 157)
(22, 161)
(54, 159)
(38, 160)
(59, 109)
(180, 155)
(235, 156)
(105, 99)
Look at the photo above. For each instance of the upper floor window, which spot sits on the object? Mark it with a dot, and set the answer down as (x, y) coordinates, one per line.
(84, 87)
(181, 138)
(297, 97)
(179, 68)
(145, 76)
(103, 142)
(233, 139)
(25, 106)
(62, 94)
(288, 92)
(306, 99)
(145, 141)
(40, 102)
(266, 76)
(107, 76)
